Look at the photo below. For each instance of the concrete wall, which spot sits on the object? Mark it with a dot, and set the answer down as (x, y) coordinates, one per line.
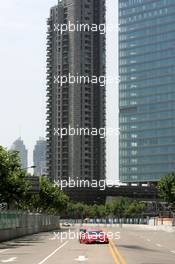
(8, 234)
(17, 224)
(158, 221)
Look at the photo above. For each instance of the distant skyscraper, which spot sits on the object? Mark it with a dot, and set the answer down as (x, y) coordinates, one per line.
(147, 89)
(19, 146)
(74, 104)
(39, 158)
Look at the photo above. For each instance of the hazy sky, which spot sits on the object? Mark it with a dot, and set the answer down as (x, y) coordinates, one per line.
(23, 68)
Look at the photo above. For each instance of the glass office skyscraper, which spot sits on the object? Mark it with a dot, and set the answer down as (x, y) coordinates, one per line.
(147, 89)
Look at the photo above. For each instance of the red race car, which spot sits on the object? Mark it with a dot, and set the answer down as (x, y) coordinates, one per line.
(95, 236)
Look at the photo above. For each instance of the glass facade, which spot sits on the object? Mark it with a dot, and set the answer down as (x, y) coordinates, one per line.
(146, 89)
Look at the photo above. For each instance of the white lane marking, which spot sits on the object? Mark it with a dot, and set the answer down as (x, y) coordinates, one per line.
(81, 258)
(4, 250)
(53, 253)
(158, 245)
(172, 252)
(9, 260)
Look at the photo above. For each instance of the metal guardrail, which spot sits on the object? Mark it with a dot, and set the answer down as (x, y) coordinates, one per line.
(11, 220)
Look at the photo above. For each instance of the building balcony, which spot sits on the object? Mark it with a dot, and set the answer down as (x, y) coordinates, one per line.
(49, 59)
(48, 157)
(49, 86)
(48, 94)
(49, 100)
(49, 77)
(49, 49)
(48, 106)
(49, 36)
(49, 21)
(49, 74)
(48, 119)
(49, 71)
(49, 54)
(48, 123)
(49, 129)
(48, 135)
(48, 111)
(49, 44)
(65, 45)
(49, 40)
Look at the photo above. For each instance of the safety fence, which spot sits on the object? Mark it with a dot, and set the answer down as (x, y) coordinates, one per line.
(132, 221)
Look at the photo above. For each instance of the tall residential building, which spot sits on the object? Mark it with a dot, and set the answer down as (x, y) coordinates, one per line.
(39, 158)
(147, 89)
(75, 105)
(19, 146)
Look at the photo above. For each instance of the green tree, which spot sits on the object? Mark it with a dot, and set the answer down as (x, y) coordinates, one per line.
(119, 206)
(102, 211)
(134, 209)
(13, 184)
(51, 198)
(166, 188)
(69, 211)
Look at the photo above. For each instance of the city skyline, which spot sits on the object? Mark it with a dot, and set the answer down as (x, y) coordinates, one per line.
(38, 165)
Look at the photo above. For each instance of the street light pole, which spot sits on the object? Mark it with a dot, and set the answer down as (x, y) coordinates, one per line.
(31, 167)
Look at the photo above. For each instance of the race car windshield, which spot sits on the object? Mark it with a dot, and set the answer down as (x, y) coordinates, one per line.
(95, 232)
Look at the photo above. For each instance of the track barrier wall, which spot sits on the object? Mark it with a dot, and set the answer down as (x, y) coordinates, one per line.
(17, 224)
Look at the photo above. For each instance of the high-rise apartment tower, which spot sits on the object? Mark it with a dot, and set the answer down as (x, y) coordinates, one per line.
(75, 105)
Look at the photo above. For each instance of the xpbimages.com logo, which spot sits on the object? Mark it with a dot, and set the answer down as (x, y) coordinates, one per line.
(71, 235)
(80, 79)
(80, 131)
(71, 27)
(80, 27)
(78, 183)
(77, 79)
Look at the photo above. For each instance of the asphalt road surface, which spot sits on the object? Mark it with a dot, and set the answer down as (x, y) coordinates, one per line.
(135, 246)
(146, 246)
